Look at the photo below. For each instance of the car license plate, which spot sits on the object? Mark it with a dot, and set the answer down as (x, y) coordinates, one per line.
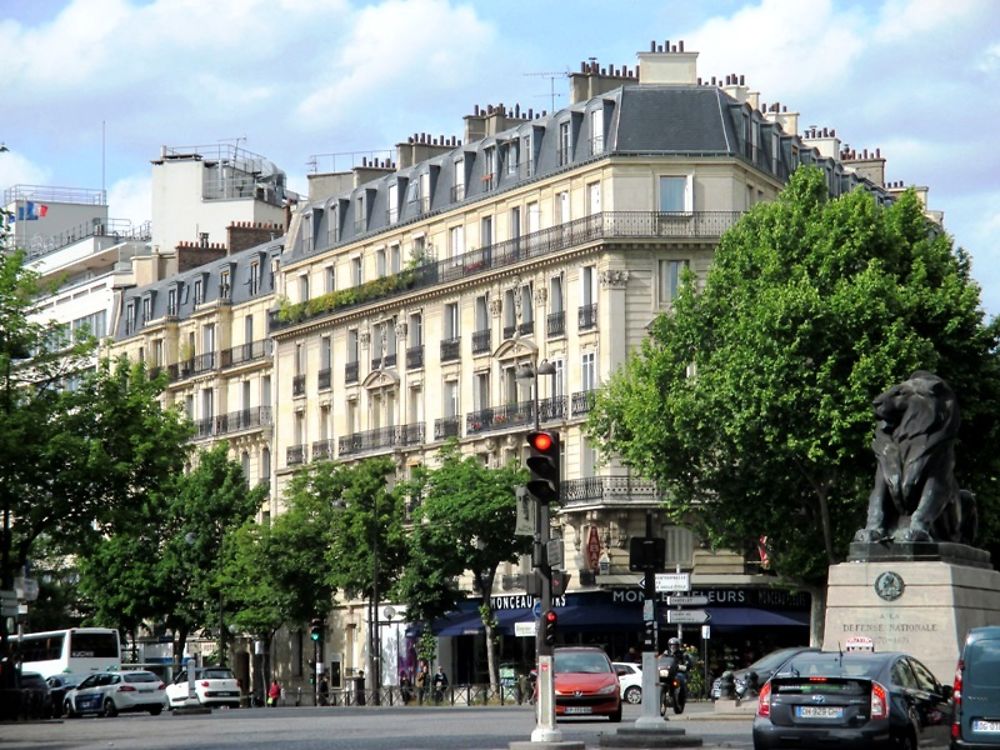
(819, 712)
(578, 709)
(984, 725)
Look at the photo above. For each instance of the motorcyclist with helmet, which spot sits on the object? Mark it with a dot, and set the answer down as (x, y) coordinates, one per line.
(673, 666)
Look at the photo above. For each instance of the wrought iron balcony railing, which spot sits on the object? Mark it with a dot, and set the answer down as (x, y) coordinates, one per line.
(521, 414)
(446, 428)
(607, 489)
(322, 449)
(556, 324)
(295, 455)
(351, 372)
(526, 328)
(381, 438)
(609, 225)
(481, 341)
(299, 385)
(509, 331)
(323, 379)
(243, 353)
(582, 402)
(415, 357)
(451, 349)
(588, 317)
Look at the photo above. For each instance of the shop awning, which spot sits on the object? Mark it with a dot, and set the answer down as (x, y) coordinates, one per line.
(738, 617)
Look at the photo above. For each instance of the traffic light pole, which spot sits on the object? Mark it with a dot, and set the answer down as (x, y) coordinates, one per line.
(545, 729)
(650, 717)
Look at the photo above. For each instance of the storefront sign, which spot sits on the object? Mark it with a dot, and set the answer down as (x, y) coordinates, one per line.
(594, 549)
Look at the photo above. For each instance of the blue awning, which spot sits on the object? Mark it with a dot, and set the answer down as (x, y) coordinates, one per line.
(749, 616)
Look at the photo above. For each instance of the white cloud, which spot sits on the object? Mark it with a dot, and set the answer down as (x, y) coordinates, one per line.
(902, 19)
(383, 59)
(131, 198)
(16, 169)
(787, 47)
(990, 60)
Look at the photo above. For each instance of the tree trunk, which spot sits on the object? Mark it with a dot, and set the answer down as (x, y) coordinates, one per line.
(817, 614)
(491, 656)
(485, 581)
(180, 641)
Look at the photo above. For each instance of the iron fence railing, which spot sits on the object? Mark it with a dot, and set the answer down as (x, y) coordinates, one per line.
(604, 488)
(607, 225)
(450, 349)
(556, 324)
(295, 455)
(351, 372)
(243, 353)
(521, 414)
(299, 385)
(582, 402)
(381, 438)
(324, 378)
(446, 428)
(415, 357)
(481, 341)
(322, 449)
(588, 317)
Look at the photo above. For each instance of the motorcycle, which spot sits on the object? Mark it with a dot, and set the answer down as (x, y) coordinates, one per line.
(673, 684)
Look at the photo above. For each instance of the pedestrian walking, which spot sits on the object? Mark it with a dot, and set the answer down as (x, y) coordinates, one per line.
(274, 693)
(405, 687)
(440, 684)
(324, 691)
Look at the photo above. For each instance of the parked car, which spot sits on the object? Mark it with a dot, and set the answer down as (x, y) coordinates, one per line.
(763, 668)
(852, 700)
(111, 693)
(59, 685)
(36, 703)
(630, 681)
(585, 683)
(976, 705)
(213, 686)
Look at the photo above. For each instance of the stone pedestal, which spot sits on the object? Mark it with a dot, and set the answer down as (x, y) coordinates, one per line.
(906, 600)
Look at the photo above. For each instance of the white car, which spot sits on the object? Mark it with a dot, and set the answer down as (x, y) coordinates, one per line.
(213, 686)
(630, 679)
(111, 693)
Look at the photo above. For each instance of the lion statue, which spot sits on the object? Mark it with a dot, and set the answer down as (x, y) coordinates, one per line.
(914, 446)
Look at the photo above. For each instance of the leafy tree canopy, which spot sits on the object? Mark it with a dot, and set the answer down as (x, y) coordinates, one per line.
(751, 400)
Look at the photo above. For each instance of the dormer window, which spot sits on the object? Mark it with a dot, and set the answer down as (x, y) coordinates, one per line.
(359, 215)
(490, 168)
(254, 276)
(130, 312)
(199, 291)
(307, 233)
(172, 301)
(597, 131)
(565, 144)
(225, 285)
(147, 309)
(458, 183)
(392, 214)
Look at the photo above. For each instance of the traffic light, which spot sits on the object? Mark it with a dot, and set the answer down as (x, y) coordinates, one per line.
(316, 629)
(543, 463)
(559, 582)
(549, 623)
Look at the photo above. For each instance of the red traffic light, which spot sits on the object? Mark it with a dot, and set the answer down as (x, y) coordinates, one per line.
(551, 616)
(541, 441)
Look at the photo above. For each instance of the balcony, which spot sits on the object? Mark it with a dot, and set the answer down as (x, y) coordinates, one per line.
(234, 421)
(555, 324)
(607, 490)
(451, 349)
(481, 341)
(389, 361)
(383, 438)
(457, 193)
(323, 379)
(588, 317)
(299, 385)
(203, 362)
(446, 428)
(322, 449)
(582, 402)
(244, 353)
(526, 328)
(351, 372)
(415, 357)
(606, 226)
(295, 455)
(204, 428)
(509, 331)
(520, 415)
(489, 182)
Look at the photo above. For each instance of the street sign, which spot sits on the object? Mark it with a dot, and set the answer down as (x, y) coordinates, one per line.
(646, 553)
(673, 582)
(524, 629)
(537, 609)
(554, 553)
(687, 616)
(706, 632)
(526, 506)
(687, 601)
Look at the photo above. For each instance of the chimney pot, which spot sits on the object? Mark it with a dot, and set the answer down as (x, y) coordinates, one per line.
(666, 45)
(680, 45)
(652, 48)
(742, 80)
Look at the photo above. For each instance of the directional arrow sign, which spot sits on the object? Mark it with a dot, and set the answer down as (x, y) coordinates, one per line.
(687, 601)
(687, 616)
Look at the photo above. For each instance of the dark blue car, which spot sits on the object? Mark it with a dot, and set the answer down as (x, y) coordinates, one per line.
(853, 700)
(976, 720)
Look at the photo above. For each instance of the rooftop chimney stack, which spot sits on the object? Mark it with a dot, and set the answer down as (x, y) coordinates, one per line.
(668, 64)
(789, 121)
(594, 80)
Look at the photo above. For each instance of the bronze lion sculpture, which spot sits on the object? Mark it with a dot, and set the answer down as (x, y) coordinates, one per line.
(916, 497)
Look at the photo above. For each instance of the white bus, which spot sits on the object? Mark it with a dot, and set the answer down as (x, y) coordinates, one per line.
(73, 651)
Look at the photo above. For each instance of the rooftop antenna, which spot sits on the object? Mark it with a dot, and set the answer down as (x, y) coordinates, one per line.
(552, 75)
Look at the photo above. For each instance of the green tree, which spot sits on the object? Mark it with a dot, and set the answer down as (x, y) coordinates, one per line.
(199, 509)
(464, 522)
(751, 402)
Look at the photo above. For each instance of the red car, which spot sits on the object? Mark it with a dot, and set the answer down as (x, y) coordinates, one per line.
(586, 683)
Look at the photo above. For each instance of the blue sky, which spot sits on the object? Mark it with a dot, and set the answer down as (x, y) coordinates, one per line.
(919, 79)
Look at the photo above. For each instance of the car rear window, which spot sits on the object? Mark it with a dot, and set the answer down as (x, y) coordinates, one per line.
(216, 674)
(821, 686)
(982, 663)
(141, 677)
(582, 661)
(832, 665)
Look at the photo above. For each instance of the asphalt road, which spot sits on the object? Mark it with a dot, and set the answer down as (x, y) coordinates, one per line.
(410, 728)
